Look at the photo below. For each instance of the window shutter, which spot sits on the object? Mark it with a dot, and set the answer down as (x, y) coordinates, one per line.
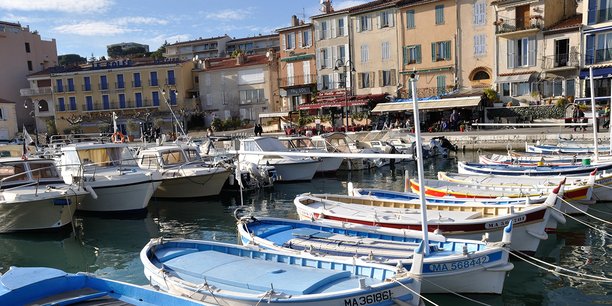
(531, 59)
(589, 57)
(332, 27)
(319, 82)
(369, 18)
(433, 52)
(346, 27)
(319, 63)
(299, 39)
(317, 34)
(358, 24)
(371, 79)
(417, 52)
(380, 79)
(380, 20)
(328, 63)
(360, 80)
(391, 19)
(510, 53)
(393, 77)
(284, 40)
(447, 50)
(592, 12)
(334, 55)
(405, 55)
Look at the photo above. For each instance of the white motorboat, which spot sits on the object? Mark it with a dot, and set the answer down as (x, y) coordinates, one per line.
(33, 195)
(338, 142)
(304, 144)
(288, 168)
(183, 173)
(111, 171)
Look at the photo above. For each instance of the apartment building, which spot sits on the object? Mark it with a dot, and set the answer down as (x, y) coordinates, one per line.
(597, 43)
(201, 48)
(375, 48)
(242, 87)
(137, 90)
(561, 58)
(519, 28)
(298, 77)
(259, 44)
(22, 52)
(427, 38)
(475, 45)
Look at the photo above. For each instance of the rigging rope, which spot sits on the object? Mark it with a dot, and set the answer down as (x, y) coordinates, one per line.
(582, 222)
(584, 212)
(416, 293)
(590, 278)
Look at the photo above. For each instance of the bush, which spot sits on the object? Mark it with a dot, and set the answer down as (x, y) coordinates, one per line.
(561, 102)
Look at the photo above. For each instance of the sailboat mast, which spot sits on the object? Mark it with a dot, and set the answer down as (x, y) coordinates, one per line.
(593, 107)
(419, 161)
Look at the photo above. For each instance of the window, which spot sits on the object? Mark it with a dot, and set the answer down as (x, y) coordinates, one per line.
(72, 103)
(325, 59)
(60, 86)
(289, 41)
(138, 99)
(324, 29)
(440, 14)
(87, 83)
(440, 51)
(521, 52)
(122, 100)
(412, 54)
(103, 82)
(27, 47)
(70, 84)
(341, 30)
(172, 95)
(326, 82)
(386, 53)
(505, 89)
(387, 77)
(43, 106)
(62, 104)
(155, 97)
(480, 47)
(480, 12)
(105, 102)
(364, 80)
(342, 53)
(384, 20)
(120, 82)
(171, 79)
(520, 89)
(252, 96)
(137, 82)
(410, 24)
(599, 11)
(481, 75)
(341, 80)
(440, 84)
(603, 50)
(364, 23)
(306, 38)
(364, 53)
(89, 103)
(153, 76)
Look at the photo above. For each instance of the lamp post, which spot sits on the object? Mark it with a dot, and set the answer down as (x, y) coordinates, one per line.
(35, 115)
(178, 123)
(347, 66)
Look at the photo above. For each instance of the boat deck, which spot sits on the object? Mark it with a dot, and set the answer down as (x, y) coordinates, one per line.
(84, 296)
(253, 276)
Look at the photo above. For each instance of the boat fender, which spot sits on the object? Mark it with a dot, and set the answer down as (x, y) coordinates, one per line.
(485, 237)
(91, 192)
(350, 189)
(507, 236)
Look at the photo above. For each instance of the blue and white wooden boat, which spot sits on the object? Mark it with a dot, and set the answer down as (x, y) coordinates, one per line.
(47, 286)
(228, 274)
(448, 264)
(556, 149)
(568, 170)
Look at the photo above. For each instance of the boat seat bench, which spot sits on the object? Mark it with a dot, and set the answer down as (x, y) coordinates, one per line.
(230, 270)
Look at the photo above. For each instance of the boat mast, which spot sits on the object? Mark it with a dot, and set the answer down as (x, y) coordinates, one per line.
(419, 161)
(593, 114)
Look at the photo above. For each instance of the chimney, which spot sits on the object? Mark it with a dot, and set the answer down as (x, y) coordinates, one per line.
(294, 21)
(326, 6)
(206, 63)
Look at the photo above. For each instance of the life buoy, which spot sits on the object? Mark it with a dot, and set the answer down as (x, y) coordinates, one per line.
(118, 137)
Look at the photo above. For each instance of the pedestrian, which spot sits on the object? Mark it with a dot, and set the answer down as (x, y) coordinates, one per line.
(575, 117)
(454, 118)
(606, 123)
(584, 119)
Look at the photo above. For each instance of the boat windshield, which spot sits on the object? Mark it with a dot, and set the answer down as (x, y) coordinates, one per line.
(173, 158)
(192, 155)
(107, 157)
(13, 172)
(45, 170)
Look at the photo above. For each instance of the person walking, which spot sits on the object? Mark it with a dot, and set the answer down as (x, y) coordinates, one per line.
(584, 120)
(606, 123)
(575, 116)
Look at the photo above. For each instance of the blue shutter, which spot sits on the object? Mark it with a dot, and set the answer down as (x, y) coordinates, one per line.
(89, 102)
(418, 53)
(592, 18)
(589, 55)
(410, 24)
(510, 53)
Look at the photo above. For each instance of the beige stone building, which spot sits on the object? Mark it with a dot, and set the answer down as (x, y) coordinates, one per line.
(427, 40)
(82, 99)
(520, 45)
(22, 52)
(241, 87)
(297, 68)
(203, 48)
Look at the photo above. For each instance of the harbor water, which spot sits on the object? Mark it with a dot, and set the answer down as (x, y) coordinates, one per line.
(109, 246)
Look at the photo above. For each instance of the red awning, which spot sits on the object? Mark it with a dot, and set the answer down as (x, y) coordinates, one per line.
(337, 99)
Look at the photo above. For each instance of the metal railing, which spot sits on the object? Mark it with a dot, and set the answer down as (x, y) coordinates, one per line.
(561, 60)
(504, 25)
(27, 92)
(306, 79)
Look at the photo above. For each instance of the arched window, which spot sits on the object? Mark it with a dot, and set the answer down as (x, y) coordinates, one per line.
(43, 106)
(481, 75)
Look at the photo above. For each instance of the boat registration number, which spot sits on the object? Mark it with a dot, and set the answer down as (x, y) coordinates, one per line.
(368, 299)
(457, 265)
(502, 223)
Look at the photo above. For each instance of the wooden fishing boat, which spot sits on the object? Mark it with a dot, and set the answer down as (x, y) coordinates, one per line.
(47, 286)
(451, 220)
(228, 274)
(448, 263)
(508, 170)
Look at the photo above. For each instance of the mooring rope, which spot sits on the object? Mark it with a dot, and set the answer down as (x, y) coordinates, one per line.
(584, 212)
(582, 222)
(589, 278)
(416, 293)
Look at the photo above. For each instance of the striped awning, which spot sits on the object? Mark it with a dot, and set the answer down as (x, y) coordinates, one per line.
(437, 104)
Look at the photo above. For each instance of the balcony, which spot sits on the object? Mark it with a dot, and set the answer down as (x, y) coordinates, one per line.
(298, 80)
(561, 61)
(116, 105)
(31, 92)
(505, 26)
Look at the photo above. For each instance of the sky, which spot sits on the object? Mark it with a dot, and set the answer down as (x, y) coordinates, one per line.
(86, 27)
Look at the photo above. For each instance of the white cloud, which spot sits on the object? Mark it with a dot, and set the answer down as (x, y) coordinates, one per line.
(92, 28)
(66, 6)
(140, 20)
(21, 19)
(228, 14)
(159, 40)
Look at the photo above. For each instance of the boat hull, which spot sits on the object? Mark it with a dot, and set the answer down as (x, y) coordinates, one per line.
(329, 164)
(209, 184)
(37, 215)
(295, 171)
(121, 195)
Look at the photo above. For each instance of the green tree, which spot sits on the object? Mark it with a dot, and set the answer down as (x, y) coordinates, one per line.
(159, 53)
(71, 60)
(114, 52)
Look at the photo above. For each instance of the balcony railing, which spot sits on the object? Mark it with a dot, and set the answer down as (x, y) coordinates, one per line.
(570, 60)
(504, 25)
(298, 80)
(28, 92)
(116, 105)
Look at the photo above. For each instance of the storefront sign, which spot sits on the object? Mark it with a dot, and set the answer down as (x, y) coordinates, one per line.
(298, 91)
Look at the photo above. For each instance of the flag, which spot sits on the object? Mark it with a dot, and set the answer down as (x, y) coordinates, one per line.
(26, 136)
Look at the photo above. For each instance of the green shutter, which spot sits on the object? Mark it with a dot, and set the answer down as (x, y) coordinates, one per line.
(417, 52)
(447, 50)
(405, 55)
(433, 52)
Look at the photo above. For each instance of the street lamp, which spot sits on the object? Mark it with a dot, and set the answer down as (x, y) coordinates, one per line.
(178, 123)
(34, 114)
(347, 66)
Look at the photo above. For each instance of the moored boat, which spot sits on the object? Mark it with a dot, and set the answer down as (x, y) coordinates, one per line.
(47, 286)
(448, 263)
(228, 274)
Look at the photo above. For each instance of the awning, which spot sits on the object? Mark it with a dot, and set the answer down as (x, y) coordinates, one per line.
(274, 115)
(518, 78)
(598, 73)
(336, 103)
(428, 104)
